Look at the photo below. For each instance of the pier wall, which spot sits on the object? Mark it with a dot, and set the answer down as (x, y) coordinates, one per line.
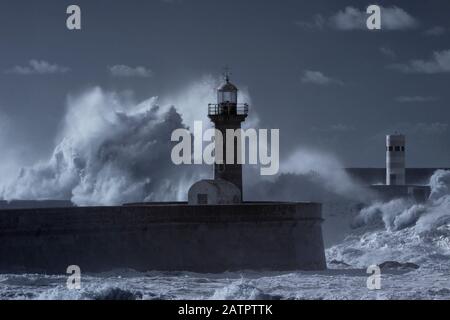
(163, 237)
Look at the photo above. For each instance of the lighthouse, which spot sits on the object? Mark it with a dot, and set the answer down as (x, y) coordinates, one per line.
(395, 160)
(227, 114)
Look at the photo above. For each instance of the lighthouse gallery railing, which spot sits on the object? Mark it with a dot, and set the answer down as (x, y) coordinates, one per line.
(224, 109)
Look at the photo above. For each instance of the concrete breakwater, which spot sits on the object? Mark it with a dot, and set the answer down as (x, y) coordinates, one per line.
(163, 237)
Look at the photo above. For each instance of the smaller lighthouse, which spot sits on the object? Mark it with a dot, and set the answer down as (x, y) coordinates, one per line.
(396, 186)
(395, 160)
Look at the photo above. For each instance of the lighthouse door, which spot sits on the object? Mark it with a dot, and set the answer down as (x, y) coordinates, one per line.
(202, 199)
(393, 179)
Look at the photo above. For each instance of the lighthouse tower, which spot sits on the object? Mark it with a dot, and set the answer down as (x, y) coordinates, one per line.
(395, 160)
(228, 114)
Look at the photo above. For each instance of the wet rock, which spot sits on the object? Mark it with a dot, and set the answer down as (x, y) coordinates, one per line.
(394, 265)
(338, 263)
(442, 292)
(117, 294)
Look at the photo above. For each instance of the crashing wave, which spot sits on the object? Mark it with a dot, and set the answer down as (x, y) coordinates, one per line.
(110, 152)
(242, 290)
(401, 230)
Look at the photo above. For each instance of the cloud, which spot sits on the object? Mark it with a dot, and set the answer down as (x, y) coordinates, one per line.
(351, 18)
(388, 52)
(128, 72)
(415, 99)
(318, 78)
(38, 67)
(435, 31)
(392, 18)
(438, 63)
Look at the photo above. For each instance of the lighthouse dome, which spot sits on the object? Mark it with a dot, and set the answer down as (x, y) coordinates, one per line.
(227, 93)
(227, 87)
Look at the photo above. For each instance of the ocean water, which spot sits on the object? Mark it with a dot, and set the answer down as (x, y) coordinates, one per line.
(346, 278)
(425, 283)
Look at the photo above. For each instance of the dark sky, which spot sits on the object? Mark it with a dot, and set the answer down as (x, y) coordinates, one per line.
(323, 85)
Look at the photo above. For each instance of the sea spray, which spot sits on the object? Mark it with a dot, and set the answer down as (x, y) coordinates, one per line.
(401, 230)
